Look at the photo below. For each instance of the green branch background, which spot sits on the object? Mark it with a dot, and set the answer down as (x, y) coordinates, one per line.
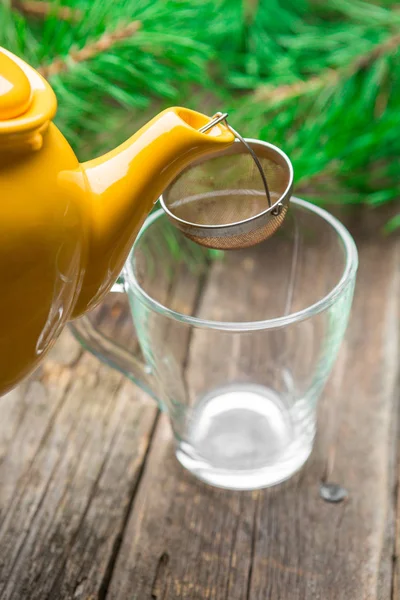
(321, 79)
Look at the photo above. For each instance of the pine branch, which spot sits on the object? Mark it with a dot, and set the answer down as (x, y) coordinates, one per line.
(329, 77)
(331, 69)
(306, 120)
(43, 9)
(393, 224)
(250, 10)
(92, 49)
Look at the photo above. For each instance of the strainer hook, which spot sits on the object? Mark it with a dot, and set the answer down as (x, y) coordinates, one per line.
(218, 118)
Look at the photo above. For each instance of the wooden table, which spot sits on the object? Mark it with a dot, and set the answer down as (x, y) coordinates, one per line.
(93, 504)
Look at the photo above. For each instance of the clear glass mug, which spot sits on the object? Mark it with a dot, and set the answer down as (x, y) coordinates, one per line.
(237, 346)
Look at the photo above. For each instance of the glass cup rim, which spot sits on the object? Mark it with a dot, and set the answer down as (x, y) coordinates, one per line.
(275, 323)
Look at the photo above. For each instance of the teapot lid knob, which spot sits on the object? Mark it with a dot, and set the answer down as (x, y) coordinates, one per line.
(15, 89)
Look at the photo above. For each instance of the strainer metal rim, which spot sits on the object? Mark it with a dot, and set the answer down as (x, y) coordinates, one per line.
(239, 225)
(348, 274)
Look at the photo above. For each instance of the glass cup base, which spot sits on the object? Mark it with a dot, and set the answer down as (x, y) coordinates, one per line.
(243, 437)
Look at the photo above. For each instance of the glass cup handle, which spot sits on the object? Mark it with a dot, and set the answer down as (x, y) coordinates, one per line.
(110, 352)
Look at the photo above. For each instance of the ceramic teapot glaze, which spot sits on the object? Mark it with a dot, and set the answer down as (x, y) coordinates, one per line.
(66, 227)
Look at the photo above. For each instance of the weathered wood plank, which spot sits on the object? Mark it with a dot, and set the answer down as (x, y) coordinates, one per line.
(396, 550)
(73, 440)
(396, 553)
(64, 521)
(89, 565)
(185, 540)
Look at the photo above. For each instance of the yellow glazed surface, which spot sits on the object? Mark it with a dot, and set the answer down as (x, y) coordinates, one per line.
(67, 228)
(15, 89)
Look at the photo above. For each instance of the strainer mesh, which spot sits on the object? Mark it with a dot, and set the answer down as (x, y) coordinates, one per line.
(241, 240)
(224, 190)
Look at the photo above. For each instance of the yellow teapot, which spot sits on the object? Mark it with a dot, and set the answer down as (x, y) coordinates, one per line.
(66, 228)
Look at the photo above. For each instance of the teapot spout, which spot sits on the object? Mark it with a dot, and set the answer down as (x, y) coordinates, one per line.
(122, 186)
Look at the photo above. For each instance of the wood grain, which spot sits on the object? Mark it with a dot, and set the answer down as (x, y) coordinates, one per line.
(185, 540)
(67, 495)
(93, 504)
(396, 551)
(73, 441)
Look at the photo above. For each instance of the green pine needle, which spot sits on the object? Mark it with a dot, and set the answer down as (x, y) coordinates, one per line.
(319, 79)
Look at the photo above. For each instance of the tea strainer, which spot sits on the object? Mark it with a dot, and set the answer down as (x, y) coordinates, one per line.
(234, 199)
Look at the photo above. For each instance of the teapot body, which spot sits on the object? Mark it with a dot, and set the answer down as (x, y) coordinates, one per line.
(66, 228)
(43, 249)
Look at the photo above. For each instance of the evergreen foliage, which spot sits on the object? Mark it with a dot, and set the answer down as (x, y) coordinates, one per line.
(321, 79)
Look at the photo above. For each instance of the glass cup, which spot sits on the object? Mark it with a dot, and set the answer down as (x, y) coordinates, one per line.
(236, 346)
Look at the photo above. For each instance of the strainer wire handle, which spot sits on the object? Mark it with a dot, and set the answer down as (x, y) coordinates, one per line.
(255, 158)
(218, 117)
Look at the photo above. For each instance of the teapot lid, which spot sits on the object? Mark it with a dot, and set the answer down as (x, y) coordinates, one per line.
(27, 102)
